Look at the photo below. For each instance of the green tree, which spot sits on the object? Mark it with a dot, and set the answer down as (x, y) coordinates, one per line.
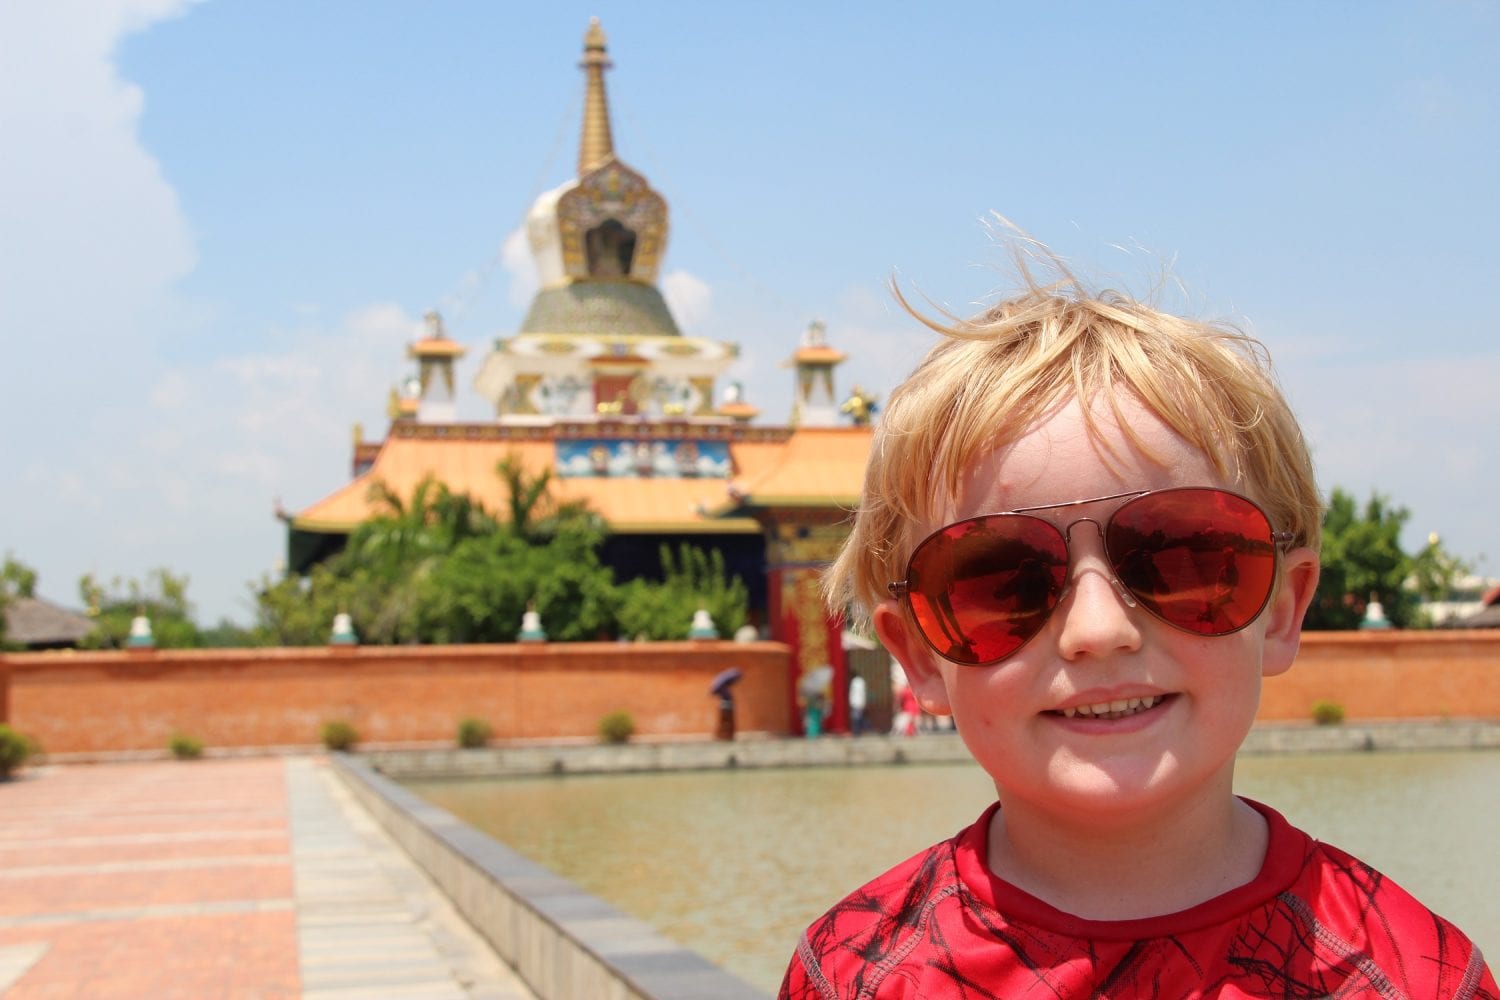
(535, 514)
(544, 555)
(1436, 572)
(406, 535)
(693, 579)
(16, 580)
(439, 567)
(380, 577)
(161, 597)
(229, 635)
(479, 593)
(1363, 560)
(299, 610)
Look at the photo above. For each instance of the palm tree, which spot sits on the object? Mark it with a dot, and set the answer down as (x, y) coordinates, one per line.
(535, 514)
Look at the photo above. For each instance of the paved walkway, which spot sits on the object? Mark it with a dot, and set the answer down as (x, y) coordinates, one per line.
(235, 879)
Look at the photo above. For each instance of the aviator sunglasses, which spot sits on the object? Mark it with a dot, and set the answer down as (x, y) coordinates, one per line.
(1202, 560)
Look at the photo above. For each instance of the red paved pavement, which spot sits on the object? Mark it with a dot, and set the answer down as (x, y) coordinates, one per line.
(158, 880)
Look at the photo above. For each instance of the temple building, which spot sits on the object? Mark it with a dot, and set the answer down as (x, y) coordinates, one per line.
(600, 386)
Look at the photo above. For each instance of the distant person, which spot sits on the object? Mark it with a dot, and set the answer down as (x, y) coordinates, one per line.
(725, 728)
(907, 712)
(1117, 861)
(858, 698)
(812, 715)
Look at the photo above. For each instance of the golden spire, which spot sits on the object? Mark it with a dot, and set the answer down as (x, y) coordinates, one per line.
(597, 145)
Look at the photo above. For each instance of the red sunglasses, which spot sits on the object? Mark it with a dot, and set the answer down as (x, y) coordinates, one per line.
(1202, 560)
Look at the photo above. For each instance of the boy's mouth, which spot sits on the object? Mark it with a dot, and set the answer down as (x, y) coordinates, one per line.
(1118, 709)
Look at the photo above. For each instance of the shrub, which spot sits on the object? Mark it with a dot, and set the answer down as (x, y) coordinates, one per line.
(691, 579)
(185, 747)
(14, 749)
(474, 732)
(616, 727)
(339, 734)
(1327, 713)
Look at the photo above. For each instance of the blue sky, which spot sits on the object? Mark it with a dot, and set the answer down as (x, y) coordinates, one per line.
(221, 221)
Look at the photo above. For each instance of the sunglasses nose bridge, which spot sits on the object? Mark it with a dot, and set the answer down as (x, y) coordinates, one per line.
(1068, 529)
(1123, 591)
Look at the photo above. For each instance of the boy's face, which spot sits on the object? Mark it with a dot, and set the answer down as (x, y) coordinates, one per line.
(1095, 649)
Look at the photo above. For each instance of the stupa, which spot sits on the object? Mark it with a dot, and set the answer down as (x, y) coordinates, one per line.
(601, 387)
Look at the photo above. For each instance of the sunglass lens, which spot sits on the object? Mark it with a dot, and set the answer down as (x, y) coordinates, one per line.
(1200, 559)
(981, 588)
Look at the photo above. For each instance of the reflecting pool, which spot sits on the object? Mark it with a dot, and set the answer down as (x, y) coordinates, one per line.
(735, 864)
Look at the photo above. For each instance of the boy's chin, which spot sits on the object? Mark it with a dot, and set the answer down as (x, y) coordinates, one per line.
(1126, 790)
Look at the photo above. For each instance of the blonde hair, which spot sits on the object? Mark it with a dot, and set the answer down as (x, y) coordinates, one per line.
(991, 378)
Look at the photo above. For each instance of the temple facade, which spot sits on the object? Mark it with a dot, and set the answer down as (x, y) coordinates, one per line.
(600, 386)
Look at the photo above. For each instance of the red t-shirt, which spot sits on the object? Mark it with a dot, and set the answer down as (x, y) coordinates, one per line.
(1315, 922)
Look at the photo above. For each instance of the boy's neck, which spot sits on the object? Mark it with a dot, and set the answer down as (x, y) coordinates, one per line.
(1115, 868)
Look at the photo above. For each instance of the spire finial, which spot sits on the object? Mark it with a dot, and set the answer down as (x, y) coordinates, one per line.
(597, 144)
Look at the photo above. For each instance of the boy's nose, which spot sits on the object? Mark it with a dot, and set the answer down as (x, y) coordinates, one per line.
(1096, 615)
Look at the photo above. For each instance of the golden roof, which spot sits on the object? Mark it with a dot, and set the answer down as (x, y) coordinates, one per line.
(816, 467)
(809, 467)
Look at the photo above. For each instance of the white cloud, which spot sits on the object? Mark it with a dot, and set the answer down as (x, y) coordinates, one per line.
(128, 461)
(92, 228)
(193, 485)
(518, 264)
(94, 242)
(689, 298)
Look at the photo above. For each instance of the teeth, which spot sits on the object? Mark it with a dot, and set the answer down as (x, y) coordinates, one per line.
(1113, 709)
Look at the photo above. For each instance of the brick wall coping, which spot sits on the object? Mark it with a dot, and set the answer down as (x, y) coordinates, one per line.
(1404, 637)
(21, 661)
(294, 654)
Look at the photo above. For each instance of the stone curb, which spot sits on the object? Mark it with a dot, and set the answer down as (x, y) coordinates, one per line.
(564, 942)
(866, 751)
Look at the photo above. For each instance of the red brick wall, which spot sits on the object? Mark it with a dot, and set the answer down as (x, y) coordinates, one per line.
(134, 700)
(92, 702)
(1391, 675)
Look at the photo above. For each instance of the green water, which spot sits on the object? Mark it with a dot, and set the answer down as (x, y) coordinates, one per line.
(735, 864)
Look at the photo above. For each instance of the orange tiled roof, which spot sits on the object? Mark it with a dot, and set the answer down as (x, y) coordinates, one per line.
(814, 466)
(436, 346)
(739, 411)
(818, 466)
(818, 356)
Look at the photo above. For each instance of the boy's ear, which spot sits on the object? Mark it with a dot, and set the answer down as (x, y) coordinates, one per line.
(1299, 582)
(899, 635)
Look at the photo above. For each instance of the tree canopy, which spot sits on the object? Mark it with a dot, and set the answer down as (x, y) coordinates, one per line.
(161, 597)
(16, 580)
(1363, 561)
(440, 568)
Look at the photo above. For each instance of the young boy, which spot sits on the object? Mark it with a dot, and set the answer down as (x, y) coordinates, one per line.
(1088, 530)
